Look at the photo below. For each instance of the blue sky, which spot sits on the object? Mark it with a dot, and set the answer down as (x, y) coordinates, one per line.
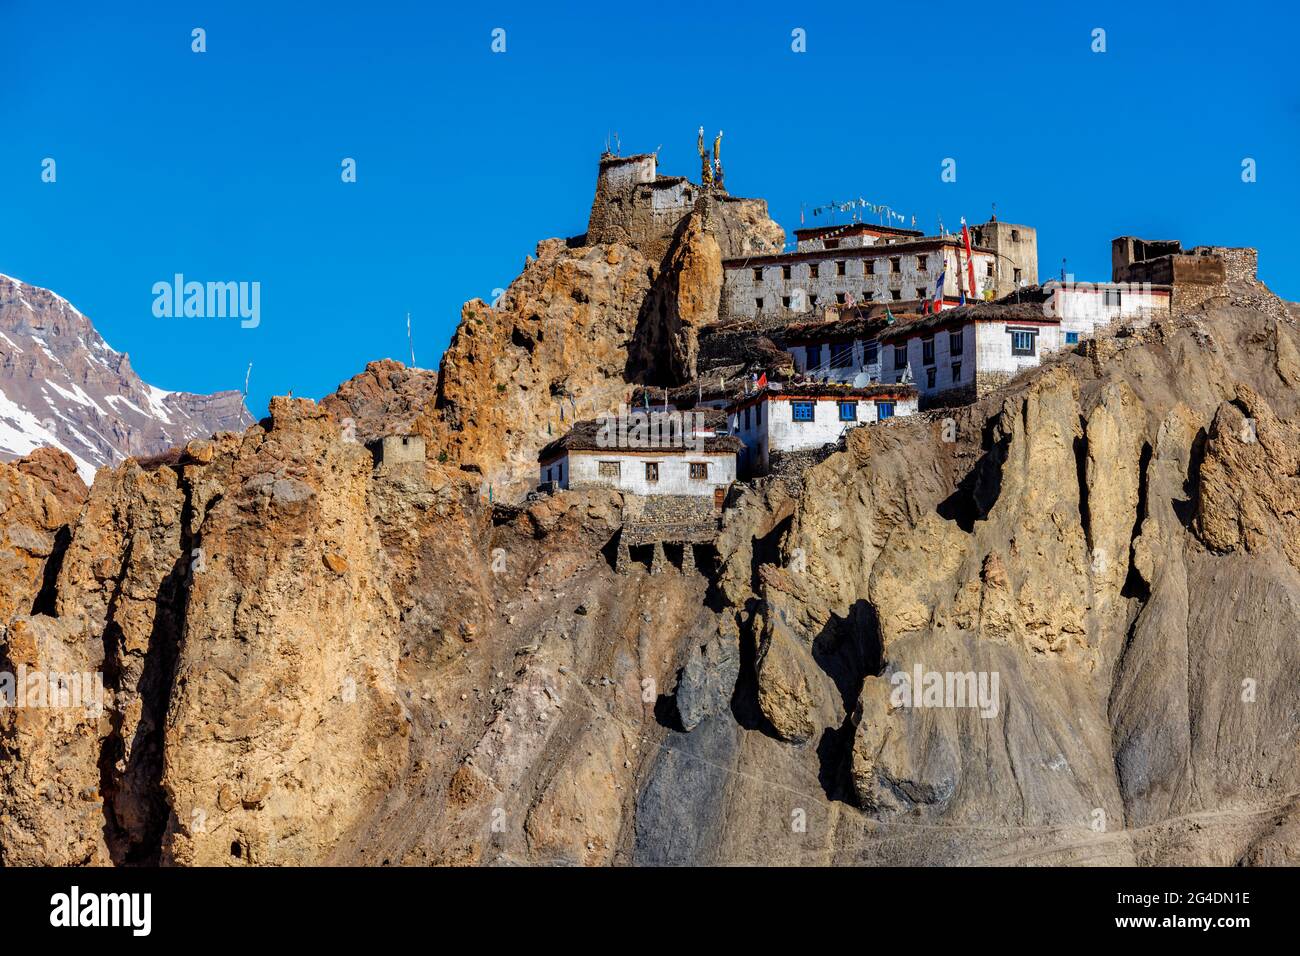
(225, 165)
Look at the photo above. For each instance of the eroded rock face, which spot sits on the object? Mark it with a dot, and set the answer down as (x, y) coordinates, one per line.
(309, 658)
(557, 346)
(39, 497)
(385, 399)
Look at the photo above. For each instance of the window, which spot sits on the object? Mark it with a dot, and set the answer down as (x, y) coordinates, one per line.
(929, 378)
(610, 469)
(652, 471)
(1022, 342)
(758, 275)
(884, 410)
(1071, 338)
(831, 244)
(868, 295)
(785, 302)
(896, 294)
(839, 297)
(848, 411)
(927, 351)
(801, 411)
(1015, 235)
(746, 419)
(896, 264)
(868, 267)
(812, 301)
(758, 304)
(758, 414)
(956, 372)
(988, 270)
(814, 358)
(900, 356)
(842, 355)
(871, 353)
(956, 343)
(1016, 276)
(699, 470)
(812, 270)
(921, 262)
(1110, 298)
(785, 272)
(922, 295)
(839, 269)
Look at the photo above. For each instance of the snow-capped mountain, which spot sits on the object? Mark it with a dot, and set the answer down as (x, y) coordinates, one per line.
(61, 384)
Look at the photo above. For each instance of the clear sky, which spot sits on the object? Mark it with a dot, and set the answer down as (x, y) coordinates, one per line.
(225, 165)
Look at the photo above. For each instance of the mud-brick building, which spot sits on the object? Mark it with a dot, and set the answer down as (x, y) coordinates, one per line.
(1194, 275)
(638, 207)
(863, 263)
(645, 454)
(796, 416)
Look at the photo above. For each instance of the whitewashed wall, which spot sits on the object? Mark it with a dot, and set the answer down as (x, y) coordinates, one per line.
(1083, 310)
(582, 470)
(944, 356)
(777, 431)
(862, 275)
(856, 366)
(993, 345)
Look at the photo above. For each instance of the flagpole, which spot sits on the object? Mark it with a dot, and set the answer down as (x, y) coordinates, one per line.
(410, 339)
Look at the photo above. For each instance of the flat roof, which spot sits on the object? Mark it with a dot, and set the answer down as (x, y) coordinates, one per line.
(584, 436)
(856, 229)
(851, 252)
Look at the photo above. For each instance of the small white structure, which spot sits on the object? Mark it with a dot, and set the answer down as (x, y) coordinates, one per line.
(1084, 306)
(801, 416)
(639, 453)
(958, 354)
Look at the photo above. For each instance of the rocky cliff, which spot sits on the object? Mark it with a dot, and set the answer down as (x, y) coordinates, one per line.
(311, 657)
(62, 385)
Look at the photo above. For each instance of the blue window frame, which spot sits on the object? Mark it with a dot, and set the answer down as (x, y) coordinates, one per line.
(801, 411)
(884, 410)
(814, 360)
(1022, 342)
(848, 411)
(1071, 338)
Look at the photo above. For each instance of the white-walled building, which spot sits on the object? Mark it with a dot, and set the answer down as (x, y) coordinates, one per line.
(677, 453)
(956, 355)
(861, 263)
(1084, 306)
(799, 416)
